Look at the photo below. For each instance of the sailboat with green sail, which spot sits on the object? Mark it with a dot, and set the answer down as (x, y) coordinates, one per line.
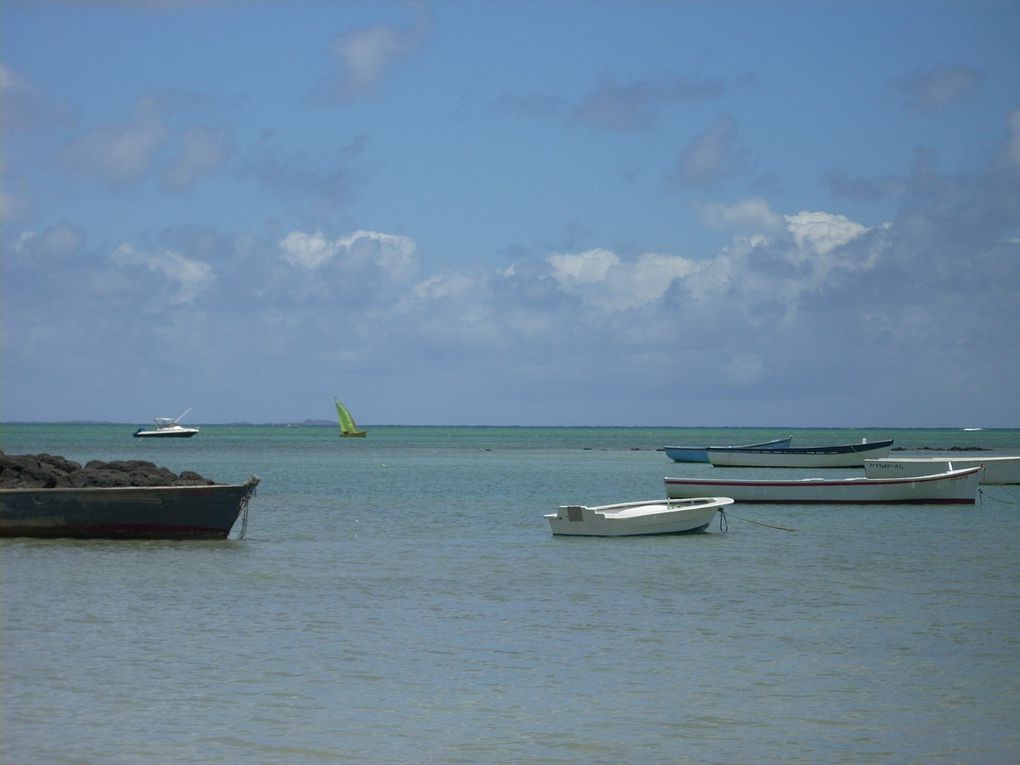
(348, 429)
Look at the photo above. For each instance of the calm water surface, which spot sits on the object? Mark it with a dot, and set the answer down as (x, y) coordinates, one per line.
(400, 600)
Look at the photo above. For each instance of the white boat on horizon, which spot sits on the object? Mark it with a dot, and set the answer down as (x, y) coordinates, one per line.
(953, 487)
(1004, 469)
(658, 516)
(167, 427)
(843, 455)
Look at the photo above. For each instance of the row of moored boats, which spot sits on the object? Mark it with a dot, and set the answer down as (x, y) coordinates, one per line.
(692, 502)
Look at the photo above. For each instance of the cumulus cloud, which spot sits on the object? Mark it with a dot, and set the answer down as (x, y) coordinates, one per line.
(188, 276)
(798, 301)
(390, 253)
(937, 88)
(365, 57)
(750, 214)
(820, 232)
(583, 268)
(602, 278)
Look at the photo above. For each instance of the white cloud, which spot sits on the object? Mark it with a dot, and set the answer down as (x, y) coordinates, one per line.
(390, 253)
(754, 214)
(820, 232)
(307, 250)
(603, 279)
(583, 268)
(190, 276)
(443, 286)
(366, 56)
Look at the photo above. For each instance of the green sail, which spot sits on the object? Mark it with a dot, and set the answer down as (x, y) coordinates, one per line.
(347, 426)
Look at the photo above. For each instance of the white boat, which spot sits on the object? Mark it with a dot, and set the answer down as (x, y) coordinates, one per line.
(167, 427)
(700, 453)
(996, 470)
(954, 487)
(655, 516)
(844, 455)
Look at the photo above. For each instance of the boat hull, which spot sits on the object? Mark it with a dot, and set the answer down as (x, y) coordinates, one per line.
(995, 470)
(159, 512)
(636, 518)
(957, 487)
(847, 455)
(166, 433)
(700, 453)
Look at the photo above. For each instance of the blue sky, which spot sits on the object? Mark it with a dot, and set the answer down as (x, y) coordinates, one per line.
(535, 213)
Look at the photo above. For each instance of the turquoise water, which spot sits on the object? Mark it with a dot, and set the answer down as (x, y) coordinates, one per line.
(399, 599)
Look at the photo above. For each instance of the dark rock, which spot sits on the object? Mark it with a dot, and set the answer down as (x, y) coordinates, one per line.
(46, 471)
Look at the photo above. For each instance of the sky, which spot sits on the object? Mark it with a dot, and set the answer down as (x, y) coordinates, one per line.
(496, 212)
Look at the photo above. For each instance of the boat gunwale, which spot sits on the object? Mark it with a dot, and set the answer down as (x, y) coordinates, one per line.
(805, 450)
(252, 482)
(952, 475)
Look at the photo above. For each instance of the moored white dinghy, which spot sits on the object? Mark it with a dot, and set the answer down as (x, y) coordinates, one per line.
(657, 516)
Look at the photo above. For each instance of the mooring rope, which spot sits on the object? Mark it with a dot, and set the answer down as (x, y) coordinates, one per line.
(984, 496)
(756, 523)
(244, 514)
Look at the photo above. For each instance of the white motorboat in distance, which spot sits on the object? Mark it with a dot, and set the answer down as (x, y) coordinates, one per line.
(995, 470)
(700, 453)
(656, 516)
(954, 487)
(167, 427)
(844, 455)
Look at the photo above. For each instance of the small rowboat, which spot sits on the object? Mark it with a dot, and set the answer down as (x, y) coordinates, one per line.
(844, 455)
(635, 518)
(700, 453)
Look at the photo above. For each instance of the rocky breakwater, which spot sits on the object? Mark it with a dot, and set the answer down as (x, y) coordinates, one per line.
(46, 471)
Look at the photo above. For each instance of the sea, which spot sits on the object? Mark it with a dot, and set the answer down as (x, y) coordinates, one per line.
(400, 599)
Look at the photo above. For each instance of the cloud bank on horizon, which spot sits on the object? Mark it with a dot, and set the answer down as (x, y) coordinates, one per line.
(494, 213)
